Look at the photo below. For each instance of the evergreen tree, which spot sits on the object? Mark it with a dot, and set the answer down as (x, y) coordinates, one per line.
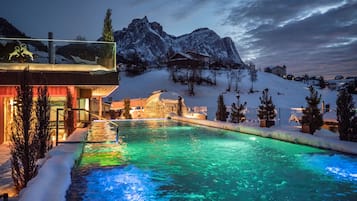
(69, 114)
(266, 110)
(24, 142)
(179, 106)
(127, 114)
(106, 57)
(107, 33)
(221, 114)
(43, 118)
(237, 111)
(322, 82)
(311, 114)
(345, 115)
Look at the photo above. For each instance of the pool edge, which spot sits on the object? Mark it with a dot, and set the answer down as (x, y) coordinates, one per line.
(279, 134)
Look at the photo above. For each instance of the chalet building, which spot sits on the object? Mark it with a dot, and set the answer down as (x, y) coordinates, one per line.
(277, 70)
(87, 78)
(188, 59)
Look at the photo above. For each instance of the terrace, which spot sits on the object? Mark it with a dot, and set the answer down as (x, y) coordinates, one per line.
(86, 68)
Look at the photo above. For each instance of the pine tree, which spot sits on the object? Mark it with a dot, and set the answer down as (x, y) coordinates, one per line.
(237, 112)
(266, 110)
(107, 33)
(322, 82)
(345, 115)
(127, 114)
(69, 117)
(221, 114)
(311, 114)
(43, 118)
(106, 57)
(24, 141)
(179, 106)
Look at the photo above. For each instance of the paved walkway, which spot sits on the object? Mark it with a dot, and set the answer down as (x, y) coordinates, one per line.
(6, 184)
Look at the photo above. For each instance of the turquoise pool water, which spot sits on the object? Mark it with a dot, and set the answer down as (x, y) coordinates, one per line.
(169, 160)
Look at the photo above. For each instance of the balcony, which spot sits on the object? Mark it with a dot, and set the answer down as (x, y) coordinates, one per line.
(84, 64)
(96, 57)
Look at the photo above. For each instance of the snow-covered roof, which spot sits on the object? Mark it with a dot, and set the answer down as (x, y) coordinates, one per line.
(183, 55)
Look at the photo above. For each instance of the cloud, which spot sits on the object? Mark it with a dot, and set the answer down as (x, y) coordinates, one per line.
(187, 7)
(301, 34)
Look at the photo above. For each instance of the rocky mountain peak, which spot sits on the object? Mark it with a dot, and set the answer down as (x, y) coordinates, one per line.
(148, 42)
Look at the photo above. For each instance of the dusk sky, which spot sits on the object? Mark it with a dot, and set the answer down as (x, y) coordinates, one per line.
(308, 36)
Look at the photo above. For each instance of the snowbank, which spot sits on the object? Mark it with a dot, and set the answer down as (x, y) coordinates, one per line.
(54, 176)
(319, 140)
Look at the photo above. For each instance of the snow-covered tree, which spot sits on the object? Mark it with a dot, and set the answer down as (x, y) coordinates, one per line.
(311, 114)
(238, 78)
(346, 115)
(221, 114)
(230, 76)
(253, 75)
(266, 110)
(24, 141)
(237, 111)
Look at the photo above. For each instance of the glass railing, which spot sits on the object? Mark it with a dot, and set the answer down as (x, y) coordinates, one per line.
(75, 54)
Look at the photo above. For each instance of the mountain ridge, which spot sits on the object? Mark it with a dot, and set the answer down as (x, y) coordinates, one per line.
(148, 42)
(9, 30)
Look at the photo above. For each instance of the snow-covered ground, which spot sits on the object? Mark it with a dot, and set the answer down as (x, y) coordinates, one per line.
(54, 176)
(286, 94)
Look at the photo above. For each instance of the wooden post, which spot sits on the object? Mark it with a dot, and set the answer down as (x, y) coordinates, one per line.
(100, 106)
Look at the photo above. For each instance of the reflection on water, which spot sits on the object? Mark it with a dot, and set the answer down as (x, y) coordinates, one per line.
(167, 160)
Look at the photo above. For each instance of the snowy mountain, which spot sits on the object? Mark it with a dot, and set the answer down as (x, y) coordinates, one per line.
(148, 42)
(8, 30)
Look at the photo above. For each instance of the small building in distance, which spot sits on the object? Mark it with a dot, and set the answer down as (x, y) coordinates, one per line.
(277, 70)
(188, 59)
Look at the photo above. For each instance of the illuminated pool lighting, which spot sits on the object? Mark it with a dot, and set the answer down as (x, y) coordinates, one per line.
(162, 161)
(128, 183)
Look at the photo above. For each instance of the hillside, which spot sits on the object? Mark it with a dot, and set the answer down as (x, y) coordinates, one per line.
(286, 94)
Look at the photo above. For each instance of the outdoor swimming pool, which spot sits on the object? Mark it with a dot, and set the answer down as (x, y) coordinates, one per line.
(169, 160)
